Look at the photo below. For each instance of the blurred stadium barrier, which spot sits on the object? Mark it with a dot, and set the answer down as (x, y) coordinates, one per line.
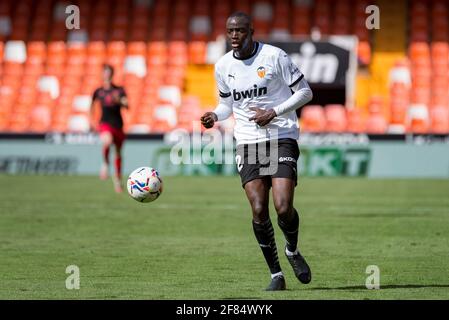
(354, 155)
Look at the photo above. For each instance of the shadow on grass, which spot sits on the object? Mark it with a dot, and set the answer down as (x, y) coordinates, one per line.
(391, 286)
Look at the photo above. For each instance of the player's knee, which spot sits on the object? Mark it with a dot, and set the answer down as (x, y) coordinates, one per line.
(260, 212)
(106, 139)
(284, 209)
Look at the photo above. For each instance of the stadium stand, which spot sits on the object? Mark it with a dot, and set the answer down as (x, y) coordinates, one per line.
(48, 73)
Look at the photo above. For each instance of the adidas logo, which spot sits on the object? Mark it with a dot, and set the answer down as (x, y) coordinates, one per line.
(247, 94)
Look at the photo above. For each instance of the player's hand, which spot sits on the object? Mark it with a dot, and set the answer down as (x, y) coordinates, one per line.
(208, 119)
(262, 117)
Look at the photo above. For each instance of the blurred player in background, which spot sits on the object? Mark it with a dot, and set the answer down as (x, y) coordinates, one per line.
(261, 86)
(112, 99)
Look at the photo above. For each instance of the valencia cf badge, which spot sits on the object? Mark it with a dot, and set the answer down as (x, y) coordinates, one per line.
(261, 72)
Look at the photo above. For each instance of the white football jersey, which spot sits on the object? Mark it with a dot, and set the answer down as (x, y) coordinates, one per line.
(263, 80)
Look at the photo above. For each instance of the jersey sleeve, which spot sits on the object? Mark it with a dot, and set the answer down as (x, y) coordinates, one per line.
(122, 92)
(223, 89)
(287, 70)
(95, 95)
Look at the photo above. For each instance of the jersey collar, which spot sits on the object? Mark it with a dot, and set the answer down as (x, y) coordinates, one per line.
(256, 48)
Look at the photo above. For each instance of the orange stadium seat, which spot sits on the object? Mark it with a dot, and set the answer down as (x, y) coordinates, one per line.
(313, 119)
(420, 95)
(335, 118)
(197, 52)
(116, 48)
(242, 5)
(399, 100)
(2, 48)
(97, 49)
(189, 112)
(5, 8)
(11, 81)
(161, 8)
(419, 50)
(12, 68)
(36, 50)
(418, 118)
(355, 121)
(177, 51)
(27, 96)
(138, 48)
(40, 119)
(300, 26)
(33, 68)
(439, 120)
(376, 124)
(56, 52)
(157, 52)
(222, 8)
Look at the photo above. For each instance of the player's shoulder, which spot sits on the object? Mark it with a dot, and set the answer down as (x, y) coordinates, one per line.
(97, 91)
(224, 60)
(270, 50)
(117, 87)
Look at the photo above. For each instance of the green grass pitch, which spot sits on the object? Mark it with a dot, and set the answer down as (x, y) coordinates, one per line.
(196, 240)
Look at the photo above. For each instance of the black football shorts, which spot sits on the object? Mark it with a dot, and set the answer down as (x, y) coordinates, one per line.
(266, 160)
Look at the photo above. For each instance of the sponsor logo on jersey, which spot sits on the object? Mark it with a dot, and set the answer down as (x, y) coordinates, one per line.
(248, 94)
(261, 72)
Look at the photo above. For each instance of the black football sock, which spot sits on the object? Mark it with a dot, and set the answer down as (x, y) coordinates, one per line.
(264, 233)
(290, 228)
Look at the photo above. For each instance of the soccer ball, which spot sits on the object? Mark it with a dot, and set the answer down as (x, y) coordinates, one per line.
(144, 184)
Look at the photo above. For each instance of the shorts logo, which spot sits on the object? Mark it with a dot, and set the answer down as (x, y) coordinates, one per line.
(287, 159)
(261, 72)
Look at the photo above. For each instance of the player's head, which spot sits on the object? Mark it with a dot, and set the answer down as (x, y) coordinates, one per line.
(108, 73)
(239, 30)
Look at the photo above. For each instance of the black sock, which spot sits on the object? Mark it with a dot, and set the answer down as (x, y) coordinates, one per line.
(290, 229)
(265, 236)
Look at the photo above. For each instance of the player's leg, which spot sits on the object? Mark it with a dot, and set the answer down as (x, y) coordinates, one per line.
(288, 221)
(283, 184)
(118, 143)
(257, 191)
(106, 142)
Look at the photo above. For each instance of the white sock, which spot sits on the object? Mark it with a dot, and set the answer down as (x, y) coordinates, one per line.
(289, 253)
(276, 274)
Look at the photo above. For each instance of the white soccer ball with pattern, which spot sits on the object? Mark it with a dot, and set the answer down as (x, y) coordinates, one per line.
(144, 184)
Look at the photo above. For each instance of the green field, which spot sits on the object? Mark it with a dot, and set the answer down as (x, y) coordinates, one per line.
(196, 240)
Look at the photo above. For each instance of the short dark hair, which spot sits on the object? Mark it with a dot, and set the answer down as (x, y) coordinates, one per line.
(241, 14)
(110, 68)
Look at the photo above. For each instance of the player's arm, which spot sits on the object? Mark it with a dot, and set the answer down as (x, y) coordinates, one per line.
(221, 112)
(302, 94)
(224, 108)
(124, 99)
(293, 77)
(92, 110)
